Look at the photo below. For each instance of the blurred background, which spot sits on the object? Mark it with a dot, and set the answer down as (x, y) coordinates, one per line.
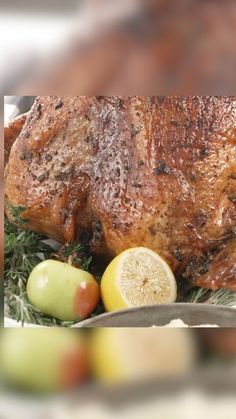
(123, 47)
(120, 47)
(105, 373)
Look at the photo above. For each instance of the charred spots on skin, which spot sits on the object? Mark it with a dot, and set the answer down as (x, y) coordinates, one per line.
(117, 171)
(26, 135)
(204, 267)
(117, 102)
(31, 116)
(134, 131)
(25, 155)
(191, 175)
(53, 192)
(63, 176)
(212, 127)
(97, 231)
(91, 140)
(200, 218)
(88, 139)
(180, 106)
(65, 213)
(152, 230)
(122, 226)
(58, 105)
(204, 152)
(151, 100)
(190, 226)
(160, 99)
(42, 177)
(39, 110)
(197, 266)
(127, 201)
(127, 167)
(126, 227)
(48, 157)
(140, 163)
(87, 117)
(193, 263)
(187, 123)
(200, 123)
(232, 233)
(136, 185)
(161, 168)
(85, 239)
(178, 255)
(174, 123)
(232, 198)
(233, 176)
(106, 119)
(120, 103)
(228, 235)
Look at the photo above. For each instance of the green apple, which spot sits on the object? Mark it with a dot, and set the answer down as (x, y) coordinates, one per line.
(62, 291)
(47, 359)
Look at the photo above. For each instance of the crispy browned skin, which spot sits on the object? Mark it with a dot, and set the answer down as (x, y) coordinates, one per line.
(11, 132)
(121, 172)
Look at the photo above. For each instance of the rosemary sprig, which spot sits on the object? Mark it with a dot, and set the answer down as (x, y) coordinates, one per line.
(23, 251)
(222, 296)
(16, 213)
(75, 254)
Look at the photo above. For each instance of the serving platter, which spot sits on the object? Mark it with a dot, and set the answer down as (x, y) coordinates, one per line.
(160, 315)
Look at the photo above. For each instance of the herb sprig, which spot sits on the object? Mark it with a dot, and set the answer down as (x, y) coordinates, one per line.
(24, 249)
(222, 296)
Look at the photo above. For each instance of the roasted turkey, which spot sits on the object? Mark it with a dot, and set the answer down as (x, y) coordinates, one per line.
(118, 172)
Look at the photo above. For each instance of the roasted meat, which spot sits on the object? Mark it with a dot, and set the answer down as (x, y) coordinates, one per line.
(138, 171)
(11, 132)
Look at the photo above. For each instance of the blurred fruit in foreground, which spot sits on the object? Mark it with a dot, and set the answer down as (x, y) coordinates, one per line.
(136, 277)
(119, 355)
(62, 291)
(43, 359)
(221, 342)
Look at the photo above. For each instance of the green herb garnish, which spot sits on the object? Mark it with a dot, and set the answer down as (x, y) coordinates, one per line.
(23, 251)
(75, 254)
(16, 214)
(222, 296)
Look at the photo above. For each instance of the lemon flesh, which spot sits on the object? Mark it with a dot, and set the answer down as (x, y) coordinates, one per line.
(132, 354)
(137, 277)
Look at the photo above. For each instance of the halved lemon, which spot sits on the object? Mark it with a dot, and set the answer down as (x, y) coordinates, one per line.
(124, 354)
(137, 277)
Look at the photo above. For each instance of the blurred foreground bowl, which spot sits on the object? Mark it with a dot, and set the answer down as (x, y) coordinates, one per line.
(161, 315)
